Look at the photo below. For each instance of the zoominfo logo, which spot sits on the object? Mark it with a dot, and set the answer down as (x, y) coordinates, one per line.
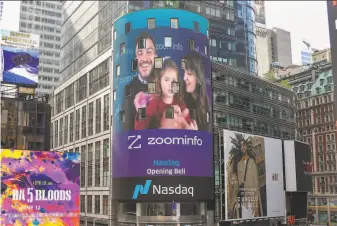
(161, 190)
(135, 141)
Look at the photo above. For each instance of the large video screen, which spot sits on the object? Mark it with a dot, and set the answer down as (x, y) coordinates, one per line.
(162, 105)
(19, 58)
(254, 176)
(39, 188)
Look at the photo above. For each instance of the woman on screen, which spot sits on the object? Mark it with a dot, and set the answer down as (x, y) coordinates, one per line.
(194, 89)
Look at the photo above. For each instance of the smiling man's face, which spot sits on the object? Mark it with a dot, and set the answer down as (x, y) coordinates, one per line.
(145, 58)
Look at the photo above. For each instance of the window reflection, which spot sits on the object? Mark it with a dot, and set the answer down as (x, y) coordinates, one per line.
(161, 209)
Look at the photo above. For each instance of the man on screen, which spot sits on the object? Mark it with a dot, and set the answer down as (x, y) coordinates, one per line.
(139, 97)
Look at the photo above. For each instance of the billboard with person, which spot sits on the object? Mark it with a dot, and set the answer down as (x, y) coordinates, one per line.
(19, 58)
(254, 176)
(162, 105)
(39, 188)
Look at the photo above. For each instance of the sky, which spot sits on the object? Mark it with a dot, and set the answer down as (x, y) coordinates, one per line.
(11, 15)
(304, 20)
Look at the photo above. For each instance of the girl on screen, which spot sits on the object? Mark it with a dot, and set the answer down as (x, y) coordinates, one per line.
(167, 103)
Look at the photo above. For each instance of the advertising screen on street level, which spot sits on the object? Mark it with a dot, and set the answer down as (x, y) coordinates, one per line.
(19, 58)
(298, 166)
(254, 176)
(162, 107)
(39, 188)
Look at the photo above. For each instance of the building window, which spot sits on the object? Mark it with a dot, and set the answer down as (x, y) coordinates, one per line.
(82, 203)
(122, 48)
(127, 90)
(83, 163)
(84, 122)
(122, 116)
(106, 170)
(77, 125)
(158, 62)
(134, 65)
(81, 88)
(97, 164)
(182, 64)
(65, 129)
(91, 119)
(191, 44)
(169, 113)
(90, 164)
(151, 23)
(61, 132)
(114, 95)
(151, 87)
(98, 120)
(89, 204)
(174, 23)
(141, 113)
(69, 95)
(127, 27)
(118, 70)
(168, 42)
(105, 204)
(141, 43)
(175, 87)
(196, 27)
(106, 117)
(192, 114)
(97, 204)
(198, 89)
(56, 134)
(71, 127)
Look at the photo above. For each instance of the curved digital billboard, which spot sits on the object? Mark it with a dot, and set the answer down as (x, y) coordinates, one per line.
(162, 107)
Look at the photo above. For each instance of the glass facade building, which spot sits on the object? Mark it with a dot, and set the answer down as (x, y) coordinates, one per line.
(25, 122)
(44, 18)
(81, 104)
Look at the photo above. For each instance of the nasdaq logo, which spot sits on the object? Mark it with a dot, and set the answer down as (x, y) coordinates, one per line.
(142, 189)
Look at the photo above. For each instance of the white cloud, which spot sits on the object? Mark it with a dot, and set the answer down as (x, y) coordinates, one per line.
(304, 19)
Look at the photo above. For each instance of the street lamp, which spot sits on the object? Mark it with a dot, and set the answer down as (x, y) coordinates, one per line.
(95, 221)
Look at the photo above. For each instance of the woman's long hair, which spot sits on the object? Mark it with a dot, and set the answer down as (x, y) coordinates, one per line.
(193, 63)
(236, 154)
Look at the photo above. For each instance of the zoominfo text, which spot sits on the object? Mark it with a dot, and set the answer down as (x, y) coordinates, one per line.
(135, 141)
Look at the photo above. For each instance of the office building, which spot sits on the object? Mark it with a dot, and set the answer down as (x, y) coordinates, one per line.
(263, 50)
(260, 17)
(82, 102)
(321, 56)
(306, 57)
(306, 53)
(228, 42)
(25, 119)
(315, 117)
(245, 35)
(280, 43)
(273, 49)
(44, 18)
